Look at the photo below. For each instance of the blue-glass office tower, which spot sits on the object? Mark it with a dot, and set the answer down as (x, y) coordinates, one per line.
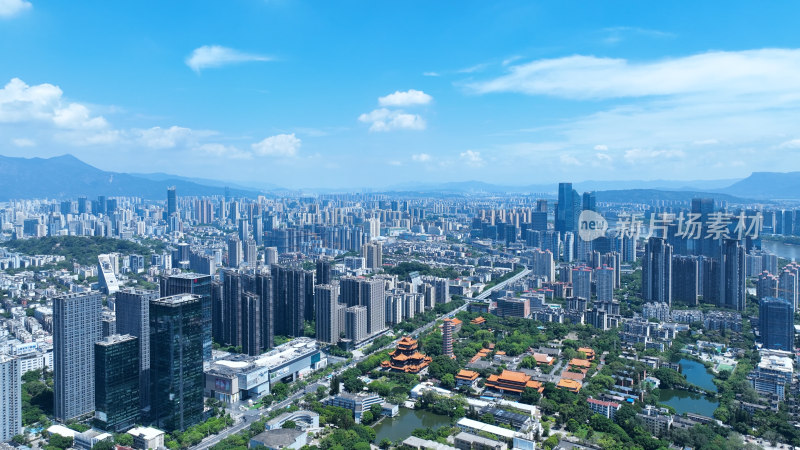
(116, 383)
(176, 362)
(567, 209)
(198, 284)
(776, 323)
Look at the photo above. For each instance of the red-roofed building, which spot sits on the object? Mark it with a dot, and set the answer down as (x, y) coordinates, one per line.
(607, 409)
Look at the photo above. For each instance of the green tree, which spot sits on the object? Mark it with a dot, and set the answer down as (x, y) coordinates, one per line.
(530, 396)
(289, 424)
(448, 381)
(56, 440)
(105, 444)
(124, 439)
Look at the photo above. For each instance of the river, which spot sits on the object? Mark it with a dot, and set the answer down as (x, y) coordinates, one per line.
(400, 427)
(685, 401)
(786, 251)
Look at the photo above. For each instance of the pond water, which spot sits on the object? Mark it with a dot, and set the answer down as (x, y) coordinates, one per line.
(688, 402)
(400, 427)
(697, 374)
(685, 401)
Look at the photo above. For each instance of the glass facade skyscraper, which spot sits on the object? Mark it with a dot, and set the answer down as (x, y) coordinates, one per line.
(133, 318)
(176, 361)
(776, 323)
(197, 284)
(116, 390)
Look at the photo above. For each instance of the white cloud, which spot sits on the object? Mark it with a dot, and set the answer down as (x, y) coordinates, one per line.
(227, 151)
(23, 142)
(410, 97)
(421, 157)
(75, 117)
(174, 136)
(285, 145)
(472, 158)
(637, 155)
(395, 163)
(473, 69)
(44, 103)
(430, 74)
(794, 143)
(686, 108)
(706, 142)
(604, 157)
(570, 160)
(591, 77)
(386, 120)
(10, 8)
(209, 56)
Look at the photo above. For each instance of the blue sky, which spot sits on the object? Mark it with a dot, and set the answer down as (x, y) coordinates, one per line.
(372, 94)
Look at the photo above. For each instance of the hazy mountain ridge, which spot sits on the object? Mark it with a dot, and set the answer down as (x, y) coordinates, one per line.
(68, 177)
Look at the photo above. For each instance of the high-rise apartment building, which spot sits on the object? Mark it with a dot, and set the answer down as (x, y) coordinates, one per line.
(326, 299)
(116, 375)
(788, 283)
(582, 282)
(657, 271)
(249, 252)
(356, 323)
(604, 281)
(270, 256)
(11, 398)
(685, 279)
(264, 289)
(372, 252)
(252, 340)
(235, 251)
(133, 318)
(323, 271)
(766, 286)
(76, 327)
(373, 298)
(732, 277)
(289, 288)
(176, 361)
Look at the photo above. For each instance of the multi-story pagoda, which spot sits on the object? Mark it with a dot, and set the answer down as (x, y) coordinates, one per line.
(406, 357)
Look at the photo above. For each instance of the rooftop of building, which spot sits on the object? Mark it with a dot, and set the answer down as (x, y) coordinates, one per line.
(283, 354)
(189, 275)
(602, 402)
(464, 374)
(480, 426)
(570, 385)
(280, 438)
(145, 432)
(115, 339)
(486, 442)
(176, 300)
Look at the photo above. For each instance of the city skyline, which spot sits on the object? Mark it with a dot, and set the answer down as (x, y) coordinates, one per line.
(343, 96)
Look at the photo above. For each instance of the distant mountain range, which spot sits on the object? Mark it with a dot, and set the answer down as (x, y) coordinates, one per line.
(68, 177)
